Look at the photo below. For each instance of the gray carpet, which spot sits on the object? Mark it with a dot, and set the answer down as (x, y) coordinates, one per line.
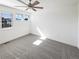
(23, 48)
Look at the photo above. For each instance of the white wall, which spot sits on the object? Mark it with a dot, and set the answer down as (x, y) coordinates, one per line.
(18, 29)
(78, 24)
(57, 21)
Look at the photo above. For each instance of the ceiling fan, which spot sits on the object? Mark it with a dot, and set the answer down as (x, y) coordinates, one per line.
(31, 5)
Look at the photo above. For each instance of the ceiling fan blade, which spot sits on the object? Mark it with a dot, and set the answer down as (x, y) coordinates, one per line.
(22, 2)
(29, 2)
(36, 3)
(34, 9)
(39, 7)
(27, 9)
(20, 6)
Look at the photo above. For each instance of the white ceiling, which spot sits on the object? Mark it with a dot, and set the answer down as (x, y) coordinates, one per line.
(13, 3)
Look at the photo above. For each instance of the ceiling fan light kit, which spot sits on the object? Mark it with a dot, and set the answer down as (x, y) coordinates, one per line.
(30, 5)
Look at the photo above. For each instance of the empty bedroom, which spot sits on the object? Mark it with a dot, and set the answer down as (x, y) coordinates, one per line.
(39, 29)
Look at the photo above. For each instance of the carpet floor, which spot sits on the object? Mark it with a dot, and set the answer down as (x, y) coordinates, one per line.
(32, 47)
